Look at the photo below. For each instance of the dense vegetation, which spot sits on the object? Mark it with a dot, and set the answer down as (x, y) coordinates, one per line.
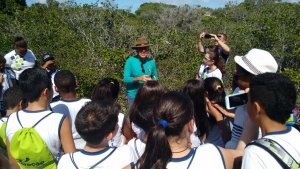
(94, 40)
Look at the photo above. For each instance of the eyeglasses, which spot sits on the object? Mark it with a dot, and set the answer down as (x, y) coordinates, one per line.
(142, 66)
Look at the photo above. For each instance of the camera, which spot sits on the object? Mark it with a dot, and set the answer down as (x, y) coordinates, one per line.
(207, 36)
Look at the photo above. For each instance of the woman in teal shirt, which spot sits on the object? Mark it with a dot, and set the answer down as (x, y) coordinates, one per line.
(138, 69)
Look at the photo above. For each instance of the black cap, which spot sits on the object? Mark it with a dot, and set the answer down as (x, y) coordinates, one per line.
(47, 56)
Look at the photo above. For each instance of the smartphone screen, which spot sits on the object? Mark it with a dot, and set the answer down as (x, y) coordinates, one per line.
(238, 100)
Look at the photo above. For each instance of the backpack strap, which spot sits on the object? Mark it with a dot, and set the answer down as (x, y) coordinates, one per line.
(104, 158)
(35, 123)
(192, 158)
(285, 160)
(135, 148)
(73, 161)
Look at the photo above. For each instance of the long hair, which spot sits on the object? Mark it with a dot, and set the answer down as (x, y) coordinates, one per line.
(213, 53)
(176, 110)
(150, 91)
(215, 92)
(195, 89)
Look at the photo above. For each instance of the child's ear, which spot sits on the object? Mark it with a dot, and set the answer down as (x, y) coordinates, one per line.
(20, 105)
(258, 109)
(191, 126)
(109, 136)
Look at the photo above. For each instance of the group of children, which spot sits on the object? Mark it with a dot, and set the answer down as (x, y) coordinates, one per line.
(188, 128)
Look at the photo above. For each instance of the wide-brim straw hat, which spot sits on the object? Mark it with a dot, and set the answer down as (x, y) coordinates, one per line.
(141, 43)
(257, 61)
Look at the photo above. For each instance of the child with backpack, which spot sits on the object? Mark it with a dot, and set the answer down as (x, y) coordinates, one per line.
(12, 98)
(65, 84)
(36, 126)
(97, 124)
(271, 99)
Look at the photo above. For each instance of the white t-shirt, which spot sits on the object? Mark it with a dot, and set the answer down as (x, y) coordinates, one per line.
(71, 108)
(18, 63)
(195, 140)
(241, 116)
(140, 133)
(138, 147)
(55, 93)
(215, 73)
(201, 70)
(256, 157)
(120, 158)
(117, 140)
(8, 75)
(49, 128)
(206, 156)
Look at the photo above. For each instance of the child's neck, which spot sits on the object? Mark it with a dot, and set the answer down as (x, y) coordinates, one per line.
(10, 111)
(94, 148)
(272, 126)
(37, 105)
(68, 96)
(212, 68)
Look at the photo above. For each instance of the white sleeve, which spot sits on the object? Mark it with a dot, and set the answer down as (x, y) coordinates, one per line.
(65, 162)
(127, 156)
(253, 158)
(8, 59)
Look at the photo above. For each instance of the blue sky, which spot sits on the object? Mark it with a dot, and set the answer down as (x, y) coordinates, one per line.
(134, 4)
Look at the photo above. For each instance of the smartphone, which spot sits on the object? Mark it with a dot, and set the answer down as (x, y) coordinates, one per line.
(234, 100)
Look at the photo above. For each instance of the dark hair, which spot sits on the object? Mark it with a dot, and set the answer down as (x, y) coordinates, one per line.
(2, 59)
(65, 81)
(215, 90)
(213, 53)
(12, 97)
(96, 119)
(275, 93)
(106, 89)
(150, 91)
(177, 110)
(32, 82)
(20, 42)
(195, 89)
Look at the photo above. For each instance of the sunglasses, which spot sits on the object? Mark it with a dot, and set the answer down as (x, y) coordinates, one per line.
(142, 66)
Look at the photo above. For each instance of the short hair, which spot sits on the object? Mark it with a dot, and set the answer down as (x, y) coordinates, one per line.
(107, 88)
(2, 59)
(65, 81)
(20, 42)
(96, 119)
(33, 81)
(12, 97)
(275, 93)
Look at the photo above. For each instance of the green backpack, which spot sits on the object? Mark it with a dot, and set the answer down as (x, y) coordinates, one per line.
(3, 138)
(30, 150)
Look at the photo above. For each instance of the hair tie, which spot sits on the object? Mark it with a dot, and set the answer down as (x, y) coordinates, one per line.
(163, 123)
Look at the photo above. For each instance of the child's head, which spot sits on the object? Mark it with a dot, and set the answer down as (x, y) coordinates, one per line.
(107, 88)
(97, 121)
(255, 62)
(275, 94)
(34, 83)
(65, 81)
(215, 90)
(212, 57)
(150, 91)
(195, 89)
(12, 98)
(173, 118)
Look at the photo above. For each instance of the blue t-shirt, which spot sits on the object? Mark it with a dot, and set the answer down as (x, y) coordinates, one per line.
(135, 68)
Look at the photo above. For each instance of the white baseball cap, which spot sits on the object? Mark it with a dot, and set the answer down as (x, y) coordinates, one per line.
(257, 61)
